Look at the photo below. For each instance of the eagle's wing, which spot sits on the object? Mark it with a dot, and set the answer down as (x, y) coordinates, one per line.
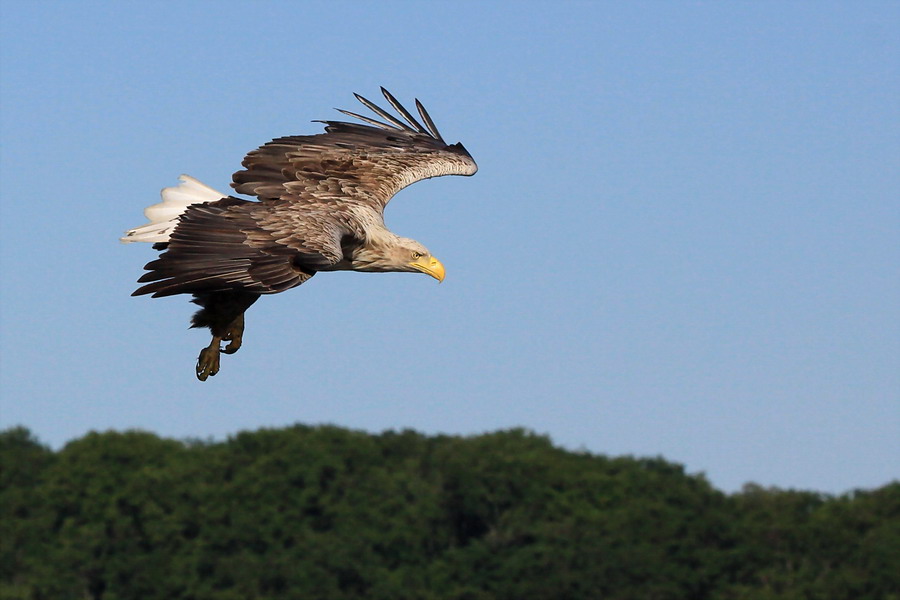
(364, 164)
(220, 246)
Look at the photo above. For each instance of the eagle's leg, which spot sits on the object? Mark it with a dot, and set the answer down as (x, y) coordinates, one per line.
(223, 313)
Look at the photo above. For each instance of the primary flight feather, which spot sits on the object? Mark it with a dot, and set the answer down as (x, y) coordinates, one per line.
(320, 207)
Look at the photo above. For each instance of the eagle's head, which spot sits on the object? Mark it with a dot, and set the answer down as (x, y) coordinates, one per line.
(397, 254)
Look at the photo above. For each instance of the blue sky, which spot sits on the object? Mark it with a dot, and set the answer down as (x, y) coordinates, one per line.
(682, 240)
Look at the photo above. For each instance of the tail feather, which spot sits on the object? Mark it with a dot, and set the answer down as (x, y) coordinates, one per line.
(164, 215)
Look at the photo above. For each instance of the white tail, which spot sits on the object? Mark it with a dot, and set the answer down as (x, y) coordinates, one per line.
(164, 216)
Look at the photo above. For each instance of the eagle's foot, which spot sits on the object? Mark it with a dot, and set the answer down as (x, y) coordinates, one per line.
(208, 361)
(234, 336)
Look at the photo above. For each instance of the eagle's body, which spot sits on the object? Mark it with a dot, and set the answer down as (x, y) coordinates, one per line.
(320, 207)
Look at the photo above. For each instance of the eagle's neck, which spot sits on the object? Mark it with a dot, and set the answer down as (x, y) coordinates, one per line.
(370, 248)
(375, 253)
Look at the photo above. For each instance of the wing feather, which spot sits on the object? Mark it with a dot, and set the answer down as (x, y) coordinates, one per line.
(405, 113)
(362, 118)
(428, 122)
(383, 113)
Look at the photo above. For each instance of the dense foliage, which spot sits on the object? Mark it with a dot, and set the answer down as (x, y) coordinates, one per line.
(323, 512)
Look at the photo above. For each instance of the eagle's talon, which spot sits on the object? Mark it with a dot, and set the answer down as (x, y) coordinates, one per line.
(208, 362)
(234, 343)
(235, 335)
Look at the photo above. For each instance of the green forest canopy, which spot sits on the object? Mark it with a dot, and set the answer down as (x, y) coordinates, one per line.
(325, 512)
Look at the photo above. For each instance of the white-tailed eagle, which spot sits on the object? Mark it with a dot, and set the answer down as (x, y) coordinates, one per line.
(320, 204)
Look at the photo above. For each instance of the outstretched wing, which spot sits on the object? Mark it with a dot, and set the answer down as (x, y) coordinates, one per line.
(365, 164)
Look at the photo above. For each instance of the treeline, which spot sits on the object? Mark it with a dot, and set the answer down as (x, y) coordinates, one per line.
(327, 513)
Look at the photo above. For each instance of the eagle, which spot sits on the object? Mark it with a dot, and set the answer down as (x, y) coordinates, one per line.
(319, 206)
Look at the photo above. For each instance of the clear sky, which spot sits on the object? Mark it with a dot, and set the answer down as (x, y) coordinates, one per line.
(682, 240)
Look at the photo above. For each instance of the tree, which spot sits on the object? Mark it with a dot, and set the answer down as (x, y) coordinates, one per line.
(324, 512)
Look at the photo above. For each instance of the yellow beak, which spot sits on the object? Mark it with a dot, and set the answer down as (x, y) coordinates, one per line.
(430, 266)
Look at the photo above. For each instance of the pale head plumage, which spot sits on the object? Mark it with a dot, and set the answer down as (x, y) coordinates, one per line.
(393, 253)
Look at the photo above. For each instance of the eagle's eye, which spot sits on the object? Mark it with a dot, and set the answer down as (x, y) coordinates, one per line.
(417, 255)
